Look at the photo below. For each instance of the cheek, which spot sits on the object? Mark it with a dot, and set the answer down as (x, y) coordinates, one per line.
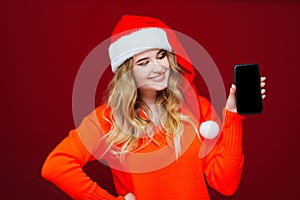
(138, 75)
(165, 63)
(135, 75)
(168, 74)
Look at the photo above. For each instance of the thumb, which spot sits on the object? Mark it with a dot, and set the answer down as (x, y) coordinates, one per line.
(231, 102)
(232, 89)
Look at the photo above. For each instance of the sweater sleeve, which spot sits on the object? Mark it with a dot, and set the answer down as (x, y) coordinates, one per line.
(223, 165)
(63, 167)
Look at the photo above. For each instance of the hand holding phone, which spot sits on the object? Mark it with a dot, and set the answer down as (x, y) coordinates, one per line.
(248, 89)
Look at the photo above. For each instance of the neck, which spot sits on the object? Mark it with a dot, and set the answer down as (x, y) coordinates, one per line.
(149, 96)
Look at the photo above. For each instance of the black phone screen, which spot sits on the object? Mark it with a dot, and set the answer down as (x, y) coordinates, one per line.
(248, 89)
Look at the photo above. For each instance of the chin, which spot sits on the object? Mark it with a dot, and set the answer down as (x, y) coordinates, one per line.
(154, 87)
(158, 87)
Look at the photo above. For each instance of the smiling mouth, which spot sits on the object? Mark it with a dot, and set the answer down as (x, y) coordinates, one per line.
(158, 78)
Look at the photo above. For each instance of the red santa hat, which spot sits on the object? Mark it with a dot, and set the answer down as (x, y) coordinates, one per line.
(135, 34)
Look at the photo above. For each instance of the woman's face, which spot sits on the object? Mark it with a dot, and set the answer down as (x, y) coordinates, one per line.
(151, 70)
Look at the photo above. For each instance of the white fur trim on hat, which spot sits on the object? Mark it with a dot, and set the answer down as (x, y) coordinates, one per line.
(137, 42)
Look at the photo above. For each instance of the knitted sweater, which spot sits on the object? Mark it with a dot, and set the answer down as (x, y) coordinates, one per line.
(182, 178)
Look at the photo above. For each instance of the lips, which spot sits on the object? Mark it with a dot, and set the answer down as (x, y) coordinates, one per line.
(158, 78)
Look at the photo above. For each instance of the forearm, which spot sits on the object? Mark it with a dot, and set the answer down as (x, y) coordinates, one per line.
(224, 165)
(63, 167)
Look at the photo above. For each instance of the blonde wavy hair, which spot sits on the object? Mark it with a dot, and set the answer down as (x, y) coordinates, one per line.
(128, 125)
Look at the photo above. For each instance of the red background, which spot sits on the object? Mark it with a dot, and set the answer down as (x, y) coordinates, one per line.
(43, 44)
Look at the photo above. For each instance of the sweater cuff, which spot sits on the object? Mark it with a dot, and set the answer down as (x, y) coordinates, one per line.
(233, 115)
(232, 132)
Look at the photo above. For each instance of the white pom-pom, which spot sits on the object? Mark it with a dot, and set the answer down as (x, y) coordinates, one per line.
(209, 129)
(129, 196)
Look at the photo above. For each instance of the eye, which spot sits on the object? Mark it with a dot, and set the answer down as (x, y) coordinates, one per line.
(161, 55)
(143, 63)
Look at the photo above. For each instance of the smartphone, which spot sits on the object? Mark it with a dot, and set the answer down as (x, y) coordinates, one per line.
(248, 89)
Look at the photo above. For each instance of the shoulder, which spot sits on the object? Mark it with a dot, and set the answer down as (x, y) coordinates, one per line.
(203, 100)
(101, 117)
(205, 104)
(103, 112)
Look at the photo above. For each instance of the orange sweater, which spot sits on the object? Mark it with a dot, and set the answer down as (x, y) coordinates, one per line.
(180, 179)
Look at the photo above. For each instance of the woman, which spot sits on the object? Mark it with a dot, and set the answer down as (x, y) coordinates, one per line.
(145, 131)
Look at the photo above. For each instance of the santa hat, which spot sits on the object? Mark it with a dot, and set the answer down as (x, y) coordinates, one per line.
(135, 34)
(134, 42)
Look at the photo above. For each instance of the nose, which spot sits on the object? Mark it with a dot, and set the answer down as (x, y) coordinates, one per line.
(157, 67)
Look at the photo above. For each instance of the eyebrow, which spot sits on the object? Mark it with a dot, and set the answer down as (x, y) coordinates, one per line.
(160, 51)
(139, 60)
(145, 58)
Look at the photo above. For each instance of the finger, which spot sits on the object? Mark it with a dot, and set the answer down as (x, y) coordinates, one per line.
(263, 91)
(262, 84)
(263, 96)
(263, 78)
(233, 88)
